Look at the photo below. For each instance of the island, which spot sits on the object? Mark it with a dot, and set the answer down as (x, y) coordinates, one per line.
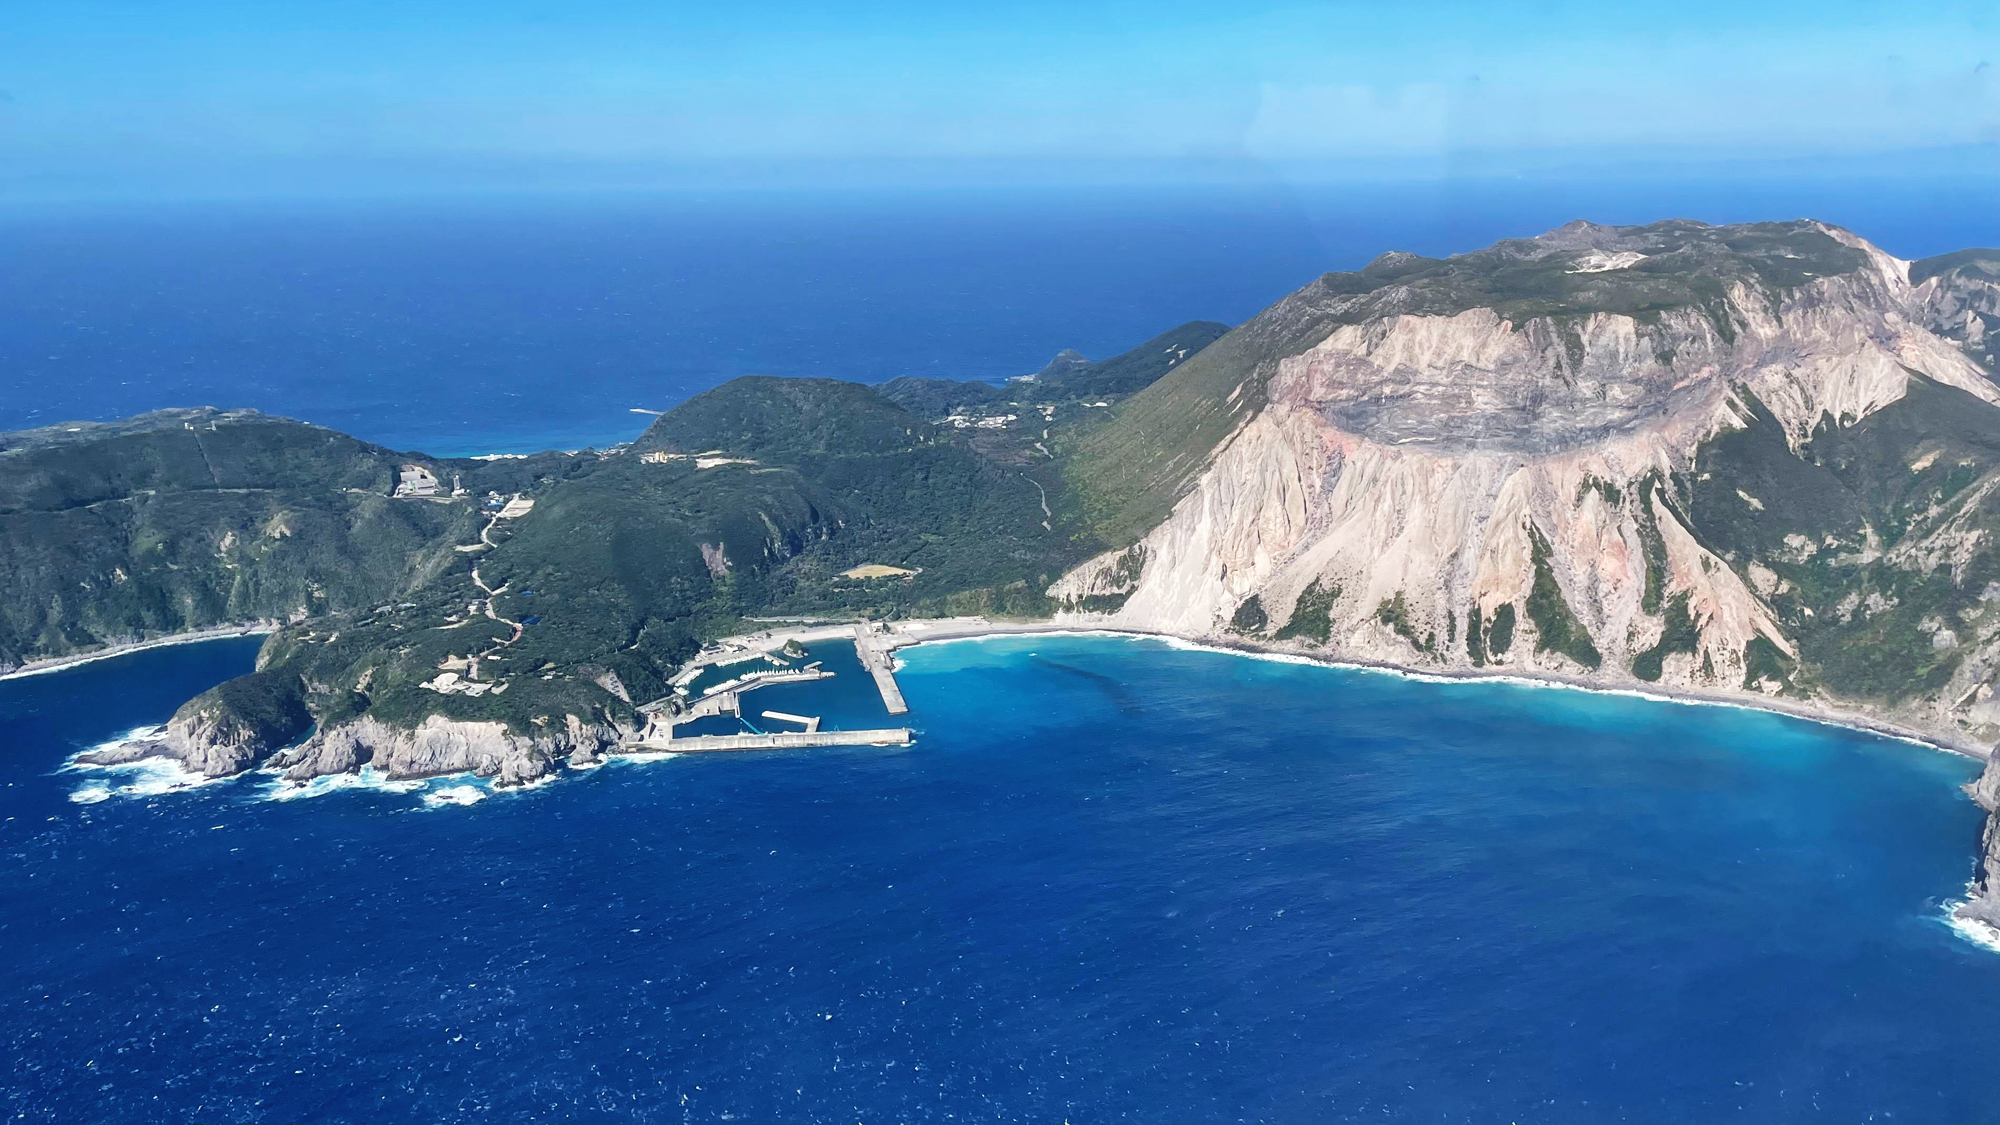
(1756, 464)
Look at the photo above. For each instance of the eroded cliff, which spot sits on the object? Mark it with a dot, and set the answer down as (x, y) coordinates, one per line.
(1521, 483)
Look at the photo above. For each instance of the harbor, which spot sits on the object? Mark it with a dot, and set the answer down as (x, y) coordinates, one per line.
(782, 740)
(671, 721)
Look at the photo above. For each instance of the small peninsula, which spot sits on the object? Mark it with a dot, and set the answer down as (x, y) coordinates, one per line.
(1755, 463)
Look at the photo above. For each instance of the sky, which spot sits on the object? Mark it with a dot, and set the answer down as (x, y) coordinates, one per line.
(225, 97)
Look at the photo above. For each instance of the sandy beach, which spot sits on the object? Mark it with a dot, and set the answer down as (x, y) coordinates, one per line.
(904, 634)
(58, 663)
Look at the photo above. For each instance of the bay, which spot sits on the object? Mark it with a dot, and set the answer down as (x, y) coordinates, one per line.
(1114, 879)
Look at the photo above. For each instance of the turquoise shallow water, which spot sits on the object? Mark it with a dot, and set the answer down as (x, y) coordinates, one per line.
(1113, 880)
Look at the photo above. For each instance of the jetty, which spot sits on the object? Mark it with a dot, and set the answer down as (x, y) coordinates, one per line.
(724, 703)
(875, 655)
(874, 647)
(782, 740)
(766, 679)
(810, 722)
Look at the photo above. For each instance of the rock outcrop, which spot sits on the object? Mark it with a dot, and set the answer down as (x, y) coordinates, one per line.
(261, 720)
(227, 729)
(439, 746)
(1983, 906)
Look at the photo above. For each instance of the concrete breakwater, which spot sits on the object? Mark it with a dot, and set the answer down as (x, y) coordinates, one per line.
(875, 656)
(783, 740)
(873, 647)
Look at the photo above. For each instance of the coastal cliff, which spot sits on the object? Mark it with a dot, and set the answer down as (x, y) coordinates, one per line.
(1754, 461)
(225, 730)
(262, 721)
(1983, 906)
(439, 746)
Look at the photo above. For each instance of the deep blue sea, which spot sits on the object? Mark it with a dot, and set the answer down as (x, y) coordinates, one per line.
(512, 324)
(1113, 880)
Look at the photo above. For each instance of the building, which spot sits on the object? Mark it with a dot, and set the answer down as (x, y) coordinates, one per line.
(415, 480)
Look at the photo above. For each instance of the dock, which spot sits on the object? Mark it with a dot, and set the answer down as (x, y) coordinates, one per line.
(810, 722)
(765, 679)
(872, 648)
(661, 721)
(785, 740)
(878, 658)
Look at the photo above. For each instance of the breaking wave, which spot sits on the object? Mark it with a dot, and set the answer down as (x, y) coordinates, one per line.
(454, 795)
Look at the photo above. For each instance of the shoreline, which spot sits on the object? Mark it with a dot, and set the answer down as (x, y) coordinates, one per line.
(920, 631)
(907, 634)
(195, 636)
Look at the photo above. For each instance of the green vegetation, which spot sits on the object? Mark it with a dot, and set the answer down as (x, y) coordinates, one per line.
(1765, 661)
(1590, 483)
(1501, 637)
(1069, 378)
(1883, 651)
(1395, 613)
(1312, 614)
(934, 399)
(1982, 261)
(1125, 476)
(263, 710)
(1249, 618)
(1680, 635)
(1137, 369)
(625, 566)
(189, 519)
(1124, 576)
(1864, 625)
(1556, 628)
(1652, 547)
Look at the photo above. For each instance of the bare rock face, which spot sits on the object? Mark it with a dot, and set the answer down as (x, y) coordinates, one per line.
(230, 728)
(1426, 471)
(1960, 300)
(1984, 904)
(439, 746)
(1985, 789)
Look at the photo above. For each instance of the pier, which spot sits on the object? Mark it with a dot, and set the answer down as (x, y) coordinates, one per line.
(784, 740)
(873, 649)
(878, 658)
(660, 723)
(810, 722)
(766, 679)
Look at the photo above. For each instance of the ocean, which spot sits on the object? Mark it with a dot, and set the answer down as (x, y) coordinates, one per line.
(492, 325)
(1113, 880)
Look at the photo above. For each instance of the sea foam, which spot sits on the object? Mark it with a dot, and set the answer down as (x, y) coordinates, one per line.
(1980, 933)
(148, 777)
(368, 777)
(454, 795)
(143, 777)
